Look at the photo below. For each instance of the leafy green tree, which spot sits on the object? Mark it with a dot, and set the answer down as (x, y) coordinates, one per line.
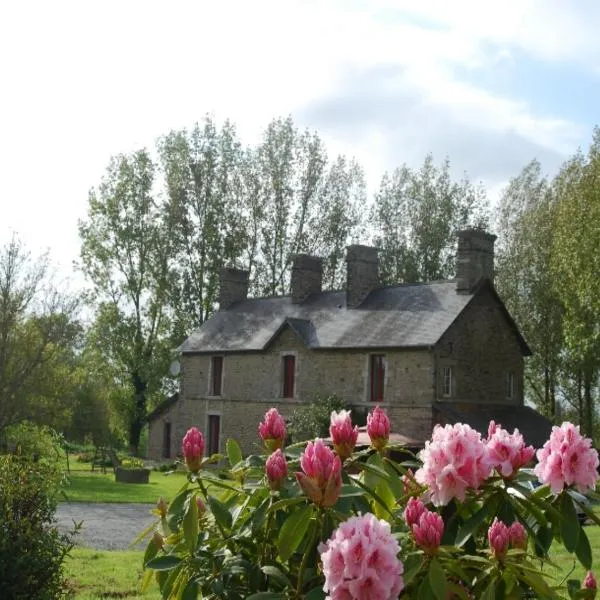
(38, 336)
(126, 253)
(525, 218)
(416, 215)
(575, 266)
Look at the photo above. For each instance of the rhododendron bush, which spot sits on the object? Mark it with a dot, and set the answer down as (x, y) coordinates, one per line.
(328, 520)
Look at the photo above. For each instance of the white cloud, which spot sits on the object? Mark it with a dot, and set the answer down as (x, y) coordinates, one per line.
(82, 81)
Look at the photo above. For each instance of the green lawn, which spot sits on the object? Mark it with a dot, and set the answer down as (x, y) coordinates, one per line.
(86, 485)
(96, 574)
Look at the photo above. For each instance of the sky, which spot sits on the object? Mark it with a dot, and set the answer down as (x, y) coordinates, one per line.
(490, 85)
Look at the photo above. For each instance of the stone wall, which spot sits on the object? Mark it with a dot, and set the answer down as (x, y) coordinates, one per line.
(481, 348)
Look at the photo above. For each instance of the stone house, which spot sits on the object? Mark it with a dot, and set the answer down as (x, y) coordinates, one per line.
(428, 353)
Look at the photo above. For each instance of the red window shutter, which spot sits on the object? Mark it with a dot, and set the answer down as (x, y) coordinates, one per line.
(289, 371)
(217, 375)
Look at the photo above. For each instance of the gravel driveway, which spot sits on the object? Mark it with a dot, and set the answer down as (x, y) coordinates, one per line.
(105, 526)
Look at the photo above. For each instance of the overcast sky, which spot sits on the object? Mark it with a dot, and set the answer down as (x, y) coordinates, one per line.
(491, 85)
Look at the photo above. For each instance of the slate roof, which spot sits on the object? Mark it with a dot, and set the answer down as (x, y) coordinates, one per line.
(535, 427)
(162, 408)
(398, 316)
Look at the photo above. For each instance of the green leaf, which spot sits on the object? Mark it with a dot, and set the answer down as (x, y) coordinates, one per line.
(190, 523)
(293, 531)
(277, 574)
(471, 525)
(151, 552)
(286, 502)
(176, 506)
(348, 491)
(191, 591)
(437, 579)
(267, 596)
(569, 524)
(234, 452)
(583, 550)
(385, 493)
(220, 512)
(163, 563)
(316, 593)
(490, 592)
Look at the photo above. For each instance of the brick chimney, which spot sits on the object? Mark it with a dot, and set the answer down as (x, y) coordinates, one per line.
(307, 276)
(362, 274)
(474, 259)
(233, 287)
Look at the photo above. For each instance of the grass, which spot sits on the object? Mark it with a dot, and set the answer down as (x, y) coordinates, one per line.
(86, 485)
(96, 574)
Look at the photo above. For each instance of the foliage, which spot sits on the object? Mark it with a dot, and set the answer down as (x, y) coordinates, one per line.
(241, 540)
(38, 337)
(35, 442)
(416, 215)
(32, 551)
(312, 420)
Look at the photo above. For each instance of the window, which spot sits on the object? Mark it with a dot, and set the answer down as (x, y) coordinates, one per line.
(214, 429)
(510, 385)
(217, 375)
(447, 381)
(166, 450)
(377, 377)
(289, 373)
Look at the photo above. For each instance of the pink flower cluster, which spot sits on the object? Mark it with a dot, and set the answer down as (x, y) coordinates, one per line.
(500, 537)
(276, 469)
(360, 561)
(272, 430)
(192, 448)
(342, 433)
(507, 451)
(455, 459)
(567, 458)
(321, 479)
(378, 428)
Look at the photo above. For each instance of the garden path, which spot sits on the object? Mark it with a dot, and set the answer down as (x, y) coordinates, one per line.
(105, 526)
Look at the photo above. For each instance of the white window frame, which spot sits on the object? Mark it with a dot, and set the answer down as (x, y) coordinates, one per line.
(447, 381)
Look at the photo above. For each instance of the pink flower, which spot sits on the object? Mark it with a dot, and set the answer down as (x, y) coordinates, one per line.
(589, 582)
(272, 430)
(455, 459)
(517, 536)
(498, 537)
(321, 479)
(507, 451)
(201, 506)
(360, 561)
(413, 511)
(409, 485)
(428, 531)
(276, 469)
(192, 448)
(342, 433)
(378, 428)
(567, 458)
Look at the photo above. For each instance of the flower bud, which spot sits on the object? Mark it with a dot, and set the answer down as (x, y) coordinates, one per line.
(272, 430)
(201, 506)
(162, 507)
(428, 531)
(158, 540)
(378, 428)
(590, 583)
(276, 469)
(498, 538)
(517, 536)
(321, 479)
(192, 448)
(413, 511)
(342, 433)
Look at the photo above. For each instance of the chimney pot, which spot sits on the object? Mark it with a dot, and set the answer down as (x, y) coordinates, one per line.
(233, 287)
(307, 276)
(362, 273)
(474, 258)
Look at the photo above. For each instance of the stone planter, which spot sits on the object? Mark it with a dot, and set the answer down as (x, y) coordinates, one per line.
(132, 475)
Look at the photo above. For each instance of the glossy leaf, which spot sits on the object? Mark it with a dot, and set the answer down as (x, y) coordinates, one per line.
(293, 531)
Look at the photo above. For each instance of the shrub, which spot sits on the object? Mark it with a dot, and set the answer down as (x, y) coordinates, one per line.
(311, 421)
(465, 525)
(34, 441)
(31, 549)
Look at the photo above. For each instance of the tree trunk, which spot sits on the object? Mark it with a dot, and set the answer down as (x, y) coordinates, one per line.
(588, 415)
(135, 429)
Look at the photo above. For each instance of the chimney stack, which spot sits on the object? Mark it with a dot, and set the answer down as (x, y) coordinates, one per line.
(362, 273)
(474, 259)
(307, 276)
(233, 287)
